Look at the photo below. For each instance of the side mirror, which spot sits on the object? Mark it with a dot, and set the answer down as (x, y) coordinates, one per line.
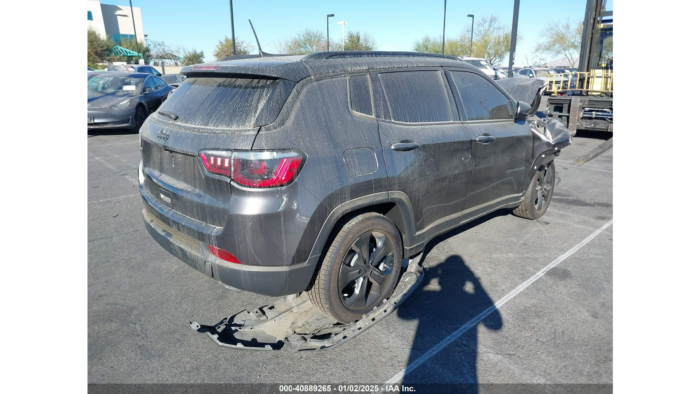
(523, 110)
(147, 90)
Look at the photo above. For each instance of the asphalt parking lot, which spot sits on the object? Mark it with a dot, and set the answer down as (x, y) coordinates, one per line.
(554, 329)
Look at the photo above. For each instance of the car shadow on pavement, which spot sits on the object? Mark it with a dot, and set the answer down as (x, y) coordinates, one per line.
(449, 298)
(594, 135)
(94, 133)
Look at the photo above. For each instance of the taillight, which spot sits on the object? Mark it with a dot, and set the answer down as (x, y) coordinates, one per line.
(265, 169)
(217, 162)
(254, 168)
(223, 255)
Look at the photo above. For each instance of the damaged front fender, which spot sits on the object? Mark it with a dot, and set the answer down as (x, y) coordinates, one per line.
(549, 136)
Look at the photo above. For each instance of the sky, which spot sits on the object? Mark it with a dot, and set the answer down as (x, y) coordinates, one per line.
(395, 25)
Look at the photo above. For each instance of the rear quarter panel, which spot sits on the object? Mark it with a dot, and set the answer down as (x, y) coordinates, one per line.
(339, 146)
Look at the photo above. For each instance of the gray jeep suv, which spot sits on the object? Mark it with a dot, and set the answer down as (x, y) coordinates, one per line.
(320, 173)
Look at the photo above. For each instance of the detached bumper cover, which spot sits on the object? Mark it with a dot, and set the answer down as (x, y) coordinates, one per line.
(270, 281)
(295, 324)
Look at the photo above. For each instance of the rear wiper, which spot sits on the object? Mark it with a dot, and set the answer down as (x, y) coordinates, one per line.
(169, 114)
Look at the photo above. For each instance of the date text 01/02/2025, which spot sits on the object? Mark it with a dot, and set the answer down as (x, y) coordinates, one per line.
(346, 389)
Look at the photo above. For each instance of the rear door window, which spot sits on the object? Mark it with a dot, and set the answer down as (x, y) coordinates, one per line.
(228, 103)
(360, 94)
(416, 96)
(149, 84)
(159, 83)
(480, 99)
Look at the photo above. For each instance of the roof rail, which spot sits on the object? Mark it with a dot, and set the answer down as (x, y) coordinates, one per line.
(351, 54)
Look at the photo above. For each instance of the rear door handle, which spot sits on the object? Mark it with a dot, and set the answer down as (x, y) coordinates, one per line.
(405, 145)
(485, 139)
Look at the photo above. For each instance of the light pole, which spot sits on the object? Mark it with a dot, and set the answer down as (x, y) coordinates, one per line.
(328, 40)
(233, 31)
(471, 40)
(513, 37)
(444, 19)
(133, 20)
(342, 23)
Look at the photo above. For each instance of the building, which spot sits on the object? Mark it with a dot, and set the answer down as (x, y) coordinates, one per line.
(115, 21)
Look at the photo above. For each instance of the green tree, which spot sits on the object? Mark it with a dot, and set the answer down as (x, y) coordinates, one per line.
(428, 44)
(491, 39)
(224, 48)
(453, 46)
(161, 53)
(562, 39)
(98, 48)
(535, 59)
(356, 41)
(304, 43)
(194, 57)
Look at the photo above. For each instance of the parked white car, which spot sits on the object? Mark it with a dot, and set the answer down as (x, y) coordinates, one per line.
(482, 65)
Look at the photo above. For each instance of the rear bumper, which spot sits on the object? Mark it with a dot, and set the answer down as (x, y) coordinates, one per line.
(270, 281)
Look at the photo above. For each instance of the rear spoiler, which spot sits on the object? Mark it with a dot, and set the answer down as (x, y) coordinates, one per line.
(253, 66)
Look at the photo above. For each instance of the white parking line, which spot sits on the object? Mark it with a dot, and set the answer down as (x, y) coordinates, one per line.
(566, 213)
(115, 169)
(473, 322)
(113, 144)
(113, 198)
(588, 168)
(118, 157)
(554, 219)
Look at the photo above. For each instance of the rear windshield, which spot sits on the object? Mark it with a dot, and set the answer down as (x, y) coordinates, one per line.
(227, 103)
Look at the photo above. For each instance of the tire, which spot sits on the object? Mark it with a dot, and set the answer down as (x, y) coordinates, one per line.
(365, 283)
(139, 117)
(539, 194)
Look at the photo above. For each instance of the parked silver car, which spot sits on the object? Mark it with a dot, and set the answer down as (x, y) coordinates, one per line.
(548, 75)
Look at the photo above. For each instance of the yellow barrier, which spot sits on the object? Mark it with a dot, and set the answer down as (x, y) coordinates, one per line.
(594, 82)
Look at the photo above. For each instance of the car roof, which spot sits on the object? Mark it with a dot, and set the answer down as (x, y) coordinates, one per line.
(131, 65)
(125, 74)
(297, 67)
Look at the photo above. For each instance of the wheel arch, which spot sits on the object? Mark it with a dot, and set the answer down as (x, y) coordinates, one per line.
(395, 206)
(541, 161)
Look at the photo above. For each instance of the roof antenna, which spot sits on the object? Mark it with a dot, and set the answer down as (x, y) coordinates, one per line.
(262, 54)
